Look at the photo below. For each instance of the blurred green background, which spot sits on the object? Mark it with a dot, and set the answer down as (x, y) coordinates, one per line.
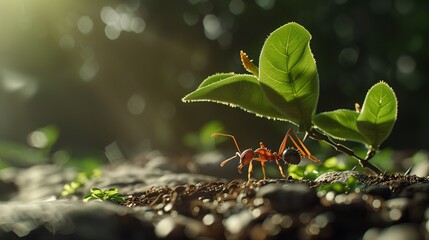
(79, 76)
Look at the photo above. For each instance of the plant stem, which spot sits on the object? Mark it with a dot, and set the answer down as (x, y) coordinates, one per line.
(317, 135)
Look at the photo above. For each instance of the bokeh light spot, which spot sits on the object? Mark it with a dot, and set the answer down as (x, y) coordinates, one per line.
(404, 6)
(89, 69)
(348, 56)
(123, 18)
(186, 79)
(112, 32)
(37, 139)
(190, 18)
(344, 28)
(12, 81)
(266, 4)
(125, 21)
(208, 219)
(236, 7)
(138, 25)
(406, 64)
(164, 227)
(67, 42)
(108, 15)
(85, 24)
(136, 104)
(212, 26)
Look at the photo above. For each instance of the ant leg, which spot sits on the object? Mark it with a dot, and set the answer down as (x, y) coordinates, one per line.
(263, 170)
(281, 169)
(250, 170)
(283, 145)
(262, 160)
(314, 159)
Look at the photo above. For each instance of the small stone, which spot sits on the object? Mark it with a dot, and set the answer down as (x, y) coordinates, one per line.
(411, 190)
(398, 203)
(179, 227)
(404, 231)
(379, 191)
(333, 177)
(289, 197)
(238, 222)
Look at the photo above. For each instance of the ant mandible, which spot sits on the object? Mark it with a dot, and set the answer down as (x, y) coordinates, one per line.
(288, 155)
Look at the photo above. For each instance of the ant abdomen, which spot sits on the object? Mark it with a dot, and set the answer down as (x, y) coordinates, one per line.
(291, 156)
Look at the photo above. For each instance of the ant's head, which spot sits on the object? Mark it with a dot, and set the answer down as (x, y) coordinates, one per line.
(245, 157)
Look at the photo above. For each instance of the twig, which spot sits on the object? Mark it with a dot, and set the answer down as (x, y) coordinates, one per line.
(317, 135)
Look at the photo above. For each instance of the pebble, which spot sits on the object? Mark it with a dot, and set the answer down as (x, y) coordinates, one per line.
(404, 231)
(289, 197)
(179, 227)
(340, 176)
(379, 191)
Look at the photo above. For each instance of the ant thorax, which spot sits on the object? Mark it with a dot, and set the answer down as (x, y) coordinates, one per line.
(291, 156)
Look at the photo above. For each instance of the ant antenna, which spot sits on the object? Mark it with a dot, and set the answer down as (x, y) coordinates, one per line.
(227, 135)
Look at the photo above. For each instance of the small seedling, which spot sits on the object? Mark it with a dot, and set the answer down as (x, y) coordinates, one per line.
(285, 87)
(111, 195)
(73, 187)
(263, 155)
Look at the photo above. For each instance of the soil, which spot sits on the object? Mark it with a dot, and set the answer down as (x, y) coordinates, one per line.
(165, 202)
(290, 209)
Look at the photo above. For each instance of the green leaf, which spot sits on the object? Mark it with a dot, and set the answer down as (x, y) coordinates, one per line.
(288, 74)
(97, 192)
(340, 124)
(371, 126)
(242, 90)
(111, 192)
(378, 115)
(90, 197)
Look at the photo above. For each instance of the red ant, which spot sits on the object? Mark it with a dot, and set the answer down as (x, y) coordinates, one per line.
(288, 155)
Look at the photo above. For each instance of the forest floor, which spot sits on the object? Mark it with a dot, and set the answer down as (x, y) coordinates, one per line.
(163, 202)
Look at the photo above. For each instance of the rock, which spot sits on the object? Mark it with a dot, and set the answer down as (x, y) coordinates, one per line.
(379, 191)
(332, 177)
(238, 222)
(130, 179)
(8, 187)
(179, 227)
(289, 197)
(67, 219)
(41, 182)
(411, 190)
(404, 231)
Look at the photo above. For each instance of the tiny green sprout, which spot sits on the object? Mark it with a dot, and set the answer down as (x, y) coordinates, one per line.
(70, 188)
(81, 178)
(111, 195)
